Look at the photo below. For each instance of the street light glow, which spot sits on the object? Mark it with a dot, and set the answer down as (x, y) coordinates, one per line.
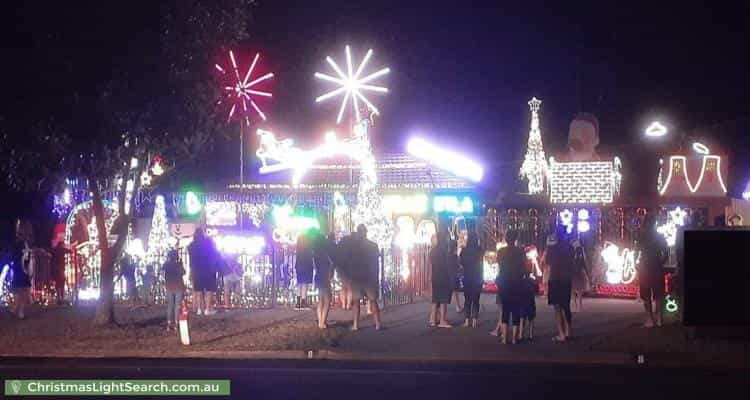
(656, 129)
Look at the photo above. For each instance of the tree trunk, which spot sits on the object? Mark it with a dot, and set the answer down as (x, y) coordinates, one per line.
(105, 310)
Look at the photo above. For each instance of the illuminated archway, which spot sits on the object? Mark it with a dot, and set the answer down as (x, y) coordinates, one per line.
(82, 220)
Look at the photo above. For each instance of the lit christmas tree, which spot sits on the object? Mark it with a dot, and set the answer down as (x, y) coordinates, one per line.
(158, 238)
(369, 209)
(534, 167)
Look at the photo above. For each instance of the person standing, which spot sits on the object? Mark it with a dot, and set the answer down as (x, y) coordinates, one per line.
(127, 272)
(58, 270)
(560, 258)
(149, 279)
(231, 278)
(651, 271)
(175, 288)
(342, 263)
(20, 265)
(303, 267)
(581, 279)
(528, 306)
(443, 276)
(502, 243)
(512, 261)
(365, 278)
(530, 288)
(323, 249)
(471, 262)
(204, 260)
(455, 265)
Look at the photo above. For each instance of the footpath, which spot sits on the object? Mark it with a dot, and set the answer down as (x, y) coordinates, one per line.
(607, 331)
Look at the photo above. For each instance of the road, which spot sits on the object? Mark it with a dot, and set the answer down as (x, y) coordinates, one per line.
(321, 379)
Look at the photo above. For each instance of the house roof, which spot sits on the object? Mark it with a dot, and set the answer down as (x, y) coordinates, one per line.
(395, 171)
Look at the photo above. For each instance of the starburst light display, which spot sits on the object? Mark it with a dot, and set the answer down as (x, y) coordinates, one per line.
(241, 91)
(352, 85)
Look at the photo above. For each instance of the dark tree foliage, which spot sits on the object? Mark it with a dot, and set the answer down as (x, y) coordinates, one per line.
(153, 94)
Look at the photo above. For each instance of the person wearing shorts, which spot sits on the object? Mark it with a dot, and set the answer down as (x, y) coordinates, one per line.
(204, 259)
(323, 251)
(365, 276)
(560, 258)
(232, 280)
(304, 267)
(651, 271)
(528, 308)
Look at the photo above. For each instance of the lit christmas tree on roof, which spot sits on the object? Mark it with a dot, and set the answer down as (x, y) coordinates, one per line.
(534, 167)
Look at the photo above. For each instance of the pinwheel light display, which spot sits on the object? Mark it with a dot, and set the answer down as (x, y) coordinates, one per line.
(241, 92)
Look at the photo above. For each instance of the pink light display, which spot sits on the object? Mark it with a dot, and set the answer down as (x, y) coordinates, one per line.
(241, 91)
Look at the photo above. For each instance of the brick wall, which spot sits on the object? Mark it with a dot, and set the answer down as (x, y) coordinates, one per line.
(582, 182)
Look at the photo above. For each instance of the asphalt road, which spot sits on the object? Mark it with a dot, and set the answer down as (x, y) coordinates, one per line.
(320, 379)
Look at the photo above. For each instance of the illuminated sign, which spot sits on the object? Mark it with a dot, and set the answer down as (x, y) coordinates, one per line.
(230, 244)
(192, 204)
(620, 264)
(221, 213)
(407, 204)
(453, 205)
(288, 227)
(670, 303)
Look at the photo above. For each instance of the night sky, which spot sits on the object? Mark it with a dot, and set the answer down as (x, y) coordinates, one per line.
(462, 72)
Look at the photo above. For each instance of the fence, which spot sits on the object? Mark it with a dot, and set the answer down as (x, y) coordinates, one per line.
(269, 280)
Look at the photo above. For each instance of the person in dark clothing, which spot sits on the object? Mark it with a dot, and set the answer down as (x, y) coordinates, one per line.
(455, 265)
(365, 278)
(512, 260)
(443, 276)
(342, 264)
(204, 261)
(471, 262)
(528, 297)
(581, 277)
(323, 251)
(304, 265)
(175, 288)
(528, 307)
(127, 272)
(560, 258)
(651, 271)
(20, 266)
(58, 270)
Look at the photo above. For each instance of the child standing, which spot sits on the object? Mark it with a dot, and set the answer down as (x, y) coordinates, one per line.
(175, 286)
(148, 279)
(528, 308)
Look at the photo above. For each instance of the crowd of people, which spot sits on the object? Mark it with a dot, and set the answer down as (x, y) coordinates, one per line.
(565, 279)
(354, 260)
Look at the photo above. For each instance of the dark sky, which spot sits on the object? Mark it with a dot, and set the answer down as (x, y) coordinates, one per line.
(462, 72)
